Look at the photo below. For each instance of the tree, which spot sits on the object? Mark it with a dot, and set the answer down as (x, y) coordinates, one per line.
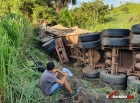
(86, 15)
(125, 9)
(59, 4)
(33, 10)
(121, 2)
(66, 18)
(111, 7)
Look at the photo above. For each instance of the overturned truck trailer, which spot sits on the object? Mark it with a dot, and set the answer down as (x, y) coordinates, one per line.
(112, 54)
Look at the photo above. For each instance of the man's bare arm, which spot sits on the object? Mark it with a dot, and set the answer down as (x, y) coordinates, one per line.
(61, 81)
(58, 70)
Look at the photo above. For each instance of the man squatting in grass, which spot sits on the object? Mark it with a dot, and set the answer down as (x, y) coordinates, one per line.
(50, 81)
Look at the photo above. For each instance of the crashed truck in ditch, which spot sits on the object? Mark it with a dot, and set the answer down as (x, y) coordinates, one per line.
(113, 55)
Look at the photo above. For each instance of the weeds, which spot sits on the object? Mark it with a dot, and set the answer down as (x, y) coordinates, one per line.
(18, 83)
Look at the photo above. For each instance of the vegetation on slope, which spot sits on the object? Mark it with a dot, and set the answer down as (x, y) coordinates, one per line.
(93, 15)
(19, 83)
(87, 17)
(131, 14)
(118, 18)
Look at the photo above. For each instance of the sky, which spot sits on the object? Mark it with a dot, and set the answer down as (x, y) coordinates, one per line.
(109, 2)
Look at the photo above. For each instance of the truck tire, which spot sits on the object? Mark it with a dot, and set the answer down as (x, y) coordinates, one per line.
(113, 86)
(91, 73)
(51, 49)
(48, 38)
(93, 80)
(133, 83)
(48, 44)
(116, 32)
(115, 42)
(88, 45)
(112, 79)
(135, 29)
(87, 37)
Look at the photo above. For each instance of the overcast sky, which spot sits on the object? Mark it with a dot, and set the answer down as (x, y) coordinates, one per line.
(109, 2)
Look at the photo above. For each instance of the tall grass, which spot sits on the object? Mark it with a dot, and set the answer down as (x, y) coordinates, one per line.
(16, 27)
(8, 61)
(18, 82)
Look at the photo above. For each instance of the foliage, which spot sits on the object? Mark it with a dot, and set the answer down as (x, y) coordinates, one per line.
(16, 28)
(88, 14)
(112, 7)
(34, 10)
(8, 6)
(133, 8)
(66, 18)
(40, 13)
(18, 83)
(125, 9)
(117, 19)
(60, 4)
(84, 17)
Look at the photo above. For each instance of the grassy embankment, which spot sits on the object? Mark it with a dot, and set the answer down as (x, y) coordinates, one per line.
(18, 82)
(119, 18)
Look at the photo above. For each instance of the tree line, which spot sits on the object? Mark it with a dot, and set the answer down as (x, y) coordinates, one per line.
(56, 11)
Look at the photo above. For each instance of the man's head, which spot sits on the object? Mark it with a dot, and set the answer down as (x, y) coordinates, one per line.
(45, 21)
(50, 65)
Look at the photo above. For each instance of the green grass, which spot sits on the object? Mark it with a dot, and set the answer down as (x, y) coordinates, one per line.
(119, 19)
(118, 14)
(133, 8)
(19, 83)
(99, 91)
